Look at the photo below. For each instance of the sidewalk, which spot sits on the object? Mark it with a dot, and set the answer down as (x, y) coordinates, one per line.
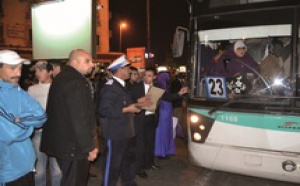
(175, 171)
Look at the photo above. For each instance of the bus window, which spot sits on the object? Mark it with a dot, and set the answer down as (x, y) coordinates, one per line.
(256, 65)
(275, 67)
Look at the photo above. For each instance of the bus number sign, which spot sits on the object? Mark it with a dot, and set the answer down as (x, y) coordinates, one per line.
(216, 87)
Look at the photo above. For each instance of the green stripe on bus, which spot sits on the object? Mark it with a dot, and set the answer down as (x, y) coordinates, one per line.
(255, 120)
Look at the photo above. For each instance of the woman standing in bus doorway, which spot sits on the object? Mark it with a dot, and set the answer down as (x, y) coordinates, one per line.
(164, 142)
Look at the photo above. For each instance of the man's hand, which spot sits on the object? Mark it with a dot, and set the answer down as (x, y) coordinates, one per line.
(145, 101)
(17, 120)
(133, 108)
(93, 154)
(183, 90)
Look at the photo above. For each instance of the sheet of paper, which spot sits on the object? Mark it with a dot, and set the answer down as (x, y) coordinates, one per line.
(155, 94)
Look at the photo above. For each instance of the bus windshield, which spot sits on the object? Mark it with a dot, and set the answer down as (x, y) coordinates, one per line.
(247, 55)
(253, 60)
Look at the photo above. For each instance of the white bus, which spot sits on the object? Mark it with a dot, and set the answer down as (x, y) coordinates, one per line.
(244, 118)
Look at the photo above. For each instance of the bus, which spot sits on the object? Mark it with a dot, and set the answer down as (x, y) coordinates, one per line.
(243, 111)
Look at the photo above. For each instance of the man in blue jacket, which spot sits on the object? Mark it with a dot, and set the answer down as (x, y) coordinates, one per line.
(19, 115)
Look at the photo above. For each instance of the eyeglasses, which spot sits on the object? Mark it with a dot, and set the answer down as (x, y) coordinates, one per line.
(241, 48)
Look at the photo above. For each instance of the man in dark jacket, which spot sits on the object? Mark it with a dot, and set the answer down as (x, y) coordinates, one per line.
(116, 118)
(69, 133)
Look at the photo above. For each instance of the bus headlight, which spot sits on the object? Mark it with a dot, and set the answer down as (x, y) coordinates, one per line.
(202, 127)
(194, 118)
(197, 136)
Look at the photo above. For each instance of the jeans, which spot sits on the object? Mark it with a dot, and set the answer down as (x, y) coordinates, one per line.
(41, 164)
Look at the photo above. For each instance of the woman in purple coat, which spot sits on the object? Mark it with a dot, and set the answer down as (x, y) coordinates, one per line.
(238, 67)
(164, 142)
(235, 60)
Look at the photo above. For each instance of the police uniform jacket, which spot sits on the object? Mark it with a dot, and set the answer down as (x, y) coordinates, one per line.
(69, 132)
(115, 124)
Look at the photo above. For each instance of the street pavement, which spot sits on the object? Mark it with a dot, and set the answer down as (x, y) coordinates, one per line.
(177, 171)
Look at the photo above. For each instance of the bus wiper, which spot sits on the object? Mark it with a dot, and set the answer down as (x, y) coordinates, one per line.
(221, 106)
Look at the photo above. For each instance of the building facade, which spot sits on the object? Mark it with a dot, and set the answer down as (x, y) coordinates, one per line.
(16, 26)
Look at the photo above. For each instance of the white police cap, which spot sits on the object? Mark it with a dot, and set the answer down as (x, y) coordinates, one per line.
(118, 63)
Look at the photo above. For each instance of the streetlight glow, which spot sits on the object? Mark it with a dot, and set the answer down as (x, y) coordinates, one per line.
(123, 25)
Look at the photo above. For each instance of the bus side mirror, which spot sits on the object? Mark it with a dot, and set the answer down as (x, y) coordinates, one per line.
(178, 43)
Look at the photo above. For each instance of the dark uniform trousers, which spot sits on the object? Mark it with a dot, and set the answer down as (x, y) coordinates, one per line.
(26, 180)
(140, 146)
(150, 128)
(75, 172)
(119, 161)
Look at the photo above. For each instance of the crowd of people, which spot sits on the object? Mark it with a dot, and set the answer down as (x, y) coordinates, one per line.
(66, 119)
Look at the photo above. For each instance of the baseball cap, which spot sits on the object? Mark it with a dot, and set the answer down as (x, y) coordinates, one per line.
(12, 58)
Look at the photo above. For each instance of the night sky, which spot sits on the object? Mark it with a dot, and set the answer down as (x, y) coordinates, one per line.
(165, 16)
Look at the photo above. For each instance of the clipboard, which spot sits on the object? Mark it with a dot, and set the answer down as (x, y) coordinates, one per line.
(155, 94)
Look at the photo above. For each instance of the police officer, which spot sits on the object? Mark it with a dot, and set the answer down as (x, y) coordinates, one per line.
(116, 118)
